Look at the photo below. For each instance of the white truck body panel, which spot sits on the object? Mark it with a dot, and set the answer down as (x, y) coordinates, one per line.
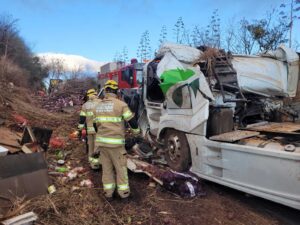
(267, 173)
(264, 76)
(274, 73)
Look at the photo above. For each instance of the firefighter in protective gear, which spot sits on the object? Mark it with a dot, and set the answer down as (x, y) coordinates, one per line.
(86, 121)
(110, 116)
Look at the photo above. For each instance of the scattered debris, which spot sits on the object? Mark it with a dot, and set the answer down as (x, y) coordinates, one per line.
(20, 120)
(3, 151)
(60, 162)
(26, 150)
(60, 155)
(184, 184)
(73, 135)
(36, 138)
(72, 175)
(51, 189)
(67, 97)
(86, 183)
(74, 188)
(57, 143)
(24, 219)
(61, 169)
(152, 184)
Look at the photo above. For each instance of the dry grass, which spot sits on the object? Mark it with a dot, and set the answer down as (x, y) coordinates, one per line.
(10, 72)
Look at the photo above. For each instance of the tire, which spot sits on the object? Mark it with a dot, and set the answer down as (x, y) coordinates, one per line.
(177, 150)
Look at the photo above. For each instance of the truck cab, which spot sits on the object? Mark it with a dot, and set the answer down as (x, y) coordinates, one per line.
(228, 122)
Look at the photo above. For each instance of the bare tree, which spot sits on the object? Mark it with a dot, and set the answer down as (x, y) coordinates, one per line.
(290, 11)
(245, 39)
(269, 32)
(8, 32)
(125, 54)
(117, 57)
(296, 45)
(76, 72)
(15, 53)
(209, 36)
(163, 34)
(179, 31)
(198, 36)
(56, 68)
(144, 51)
(213, 31)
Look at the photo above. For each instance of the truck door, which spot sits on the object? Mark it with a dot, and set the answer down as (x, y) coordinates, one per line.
(127, 80)
(153, 97)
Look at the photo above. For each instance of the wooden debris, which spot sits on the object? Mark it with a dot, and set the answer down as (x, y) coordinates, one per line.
(24, 219)
(26, 150)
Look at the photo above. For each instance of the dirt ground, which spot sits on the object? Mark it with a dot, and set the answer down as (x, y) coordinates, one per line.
(150, 205)
(153, 205)
(73, 204)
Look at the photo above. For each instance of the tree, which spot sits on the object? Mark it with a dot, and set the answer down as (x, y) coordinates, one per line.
(144, 51)
(38, 72)
(269, 32)
(213, 32)
(290, 11)
(296, 45)
(76, 72)
(8, 31)
(125, 55)
(14, 50)
(117, 57)
(56, 68)
(209, 36)
(121, 56)
(163, 34)
(178, 30)
(246, 42)
(257, 35)
(181, 34)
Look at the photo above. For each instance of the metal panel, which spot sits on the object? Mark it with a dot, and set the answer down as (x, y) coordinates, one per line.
(276, 127)
(260, 75)
(268, 173)
(234, 136)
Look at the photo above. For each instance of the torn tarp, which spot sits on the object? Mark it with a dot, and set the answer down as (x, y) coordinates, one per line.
(184, 184)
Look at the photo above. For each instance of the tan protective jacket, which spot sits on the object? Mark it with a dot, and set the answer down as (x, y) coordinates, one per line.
(87, 110)
(110, 115)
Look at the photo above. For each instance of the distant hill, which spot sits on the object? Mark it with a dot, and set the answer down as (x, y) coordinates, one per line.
(73, 62)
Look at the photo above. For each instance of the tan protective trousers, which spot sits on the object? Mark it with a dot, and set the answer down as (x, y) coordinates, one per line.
(114, 171)
(91, 144)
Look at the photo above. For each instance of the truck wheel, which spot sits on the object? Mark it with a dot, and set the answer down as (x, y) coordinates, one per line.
(177, 150)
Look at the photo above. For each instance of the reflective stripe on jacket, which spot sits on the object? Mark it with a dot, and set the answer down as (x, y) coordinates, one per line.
(109, 117)
(87, 110)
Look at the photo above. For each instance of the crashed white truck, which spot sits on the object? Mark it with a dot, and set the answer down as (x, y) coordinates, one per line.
(226, 117)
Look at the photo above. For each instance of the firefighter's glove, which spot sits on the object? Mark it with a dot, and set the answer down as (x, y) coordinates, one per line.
(136, 132)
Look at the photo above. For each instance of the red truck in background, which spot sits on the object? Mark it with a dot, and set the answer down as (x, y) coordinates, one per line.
(128, 76)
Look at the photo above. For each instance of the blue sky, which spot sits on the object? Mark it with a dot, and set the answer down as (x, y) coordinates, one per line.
(96, 29)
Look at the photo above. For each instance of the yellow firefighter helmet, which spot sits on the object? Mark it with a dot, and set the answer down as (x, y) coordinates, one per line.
(91, 92)
(111, 84)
